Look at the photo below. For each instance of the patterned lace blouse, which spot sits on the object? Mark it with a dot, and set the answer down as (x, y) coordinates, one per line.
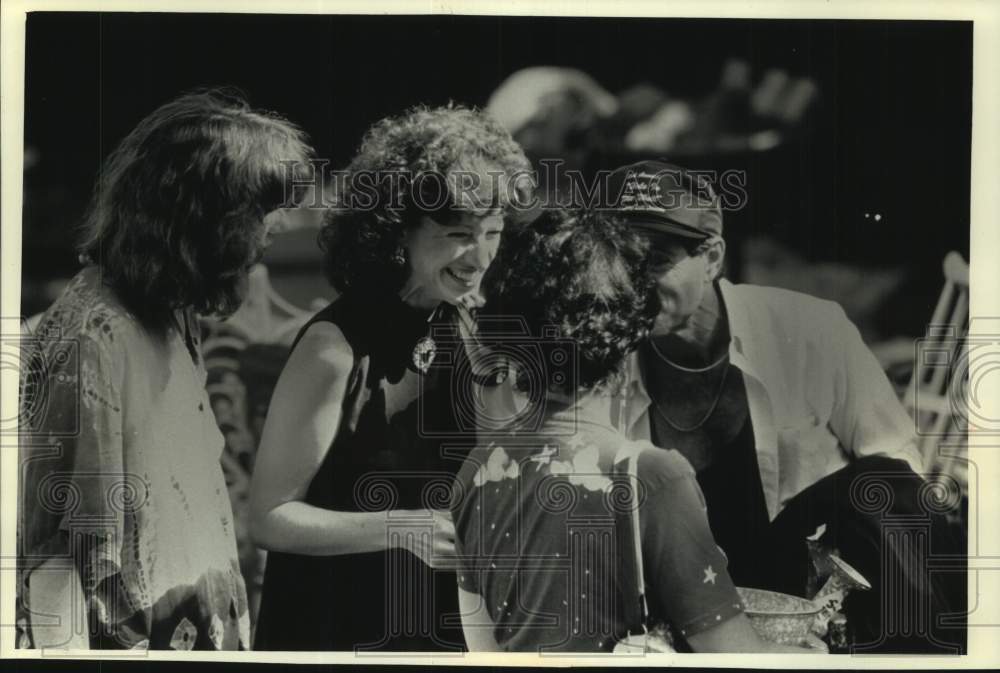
(120, 478)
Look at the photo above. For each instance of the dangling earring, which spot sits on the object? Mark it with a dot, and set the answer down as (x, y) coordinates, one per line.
(399, 257)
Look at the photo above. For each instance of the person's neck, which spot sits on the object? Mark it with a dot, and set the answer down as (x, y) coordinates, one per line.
(419, 300)
(584, 405)
(703, 340)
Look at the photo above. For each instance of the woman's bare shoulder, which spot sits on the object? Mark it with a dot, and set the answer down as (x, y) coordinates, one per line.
(323, 345)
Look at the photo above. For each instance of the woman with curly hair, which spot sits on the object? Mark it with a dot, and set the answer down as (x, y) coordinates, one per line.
(550, 528)
(122, 498)
(365, 431)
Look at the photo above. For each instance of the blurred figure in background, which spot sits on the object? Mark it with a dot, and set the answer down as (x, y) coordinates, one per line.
(736, 116)
(554, 114)
(564, 114)
(122, 499)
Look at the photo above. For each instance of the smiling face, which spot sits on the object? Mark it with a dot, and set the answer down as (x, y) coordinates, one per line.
(447, 261)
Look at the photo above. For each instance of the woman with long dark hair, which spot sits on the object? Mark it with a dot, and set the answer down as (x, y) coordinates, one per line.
(364, 432)
(122, 499)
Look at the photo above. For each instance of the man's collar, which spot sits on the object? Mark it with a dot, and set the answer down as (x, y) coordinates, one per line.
(735, 315)
(634, 376)
(636, 400)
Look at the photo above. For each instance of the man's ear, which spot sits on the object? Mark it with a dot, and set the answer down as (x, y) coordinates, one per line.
(715, 258)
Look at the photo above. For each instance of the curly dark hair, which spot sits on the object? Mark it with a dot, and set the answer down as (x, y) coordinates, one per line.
(407, 168)
(580, 276)
(176, 216)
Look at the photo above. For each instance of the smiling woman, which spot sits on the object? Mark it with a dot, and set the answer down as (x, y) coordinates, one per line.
(352, 477)
(447, 262)
(439, 169)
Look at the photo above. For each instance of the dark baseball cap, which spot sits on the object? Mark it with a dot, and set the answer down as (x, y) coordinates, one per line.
(665, 199)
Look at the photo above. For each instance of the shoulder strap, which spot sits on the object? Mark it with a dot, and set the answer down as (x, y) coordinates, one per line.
(324, 315)
(633, 464)
(630, 551)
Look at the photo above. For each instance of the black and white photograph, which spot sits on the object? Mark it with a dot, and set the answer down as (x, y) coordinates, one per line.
(432, 335)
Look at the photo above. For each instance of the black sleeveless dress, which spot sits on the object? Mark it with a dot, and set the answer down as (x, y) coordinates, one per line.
(402, 438)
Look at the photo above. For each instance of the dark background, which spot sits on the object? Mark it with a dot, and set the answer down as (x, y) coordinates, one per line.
(891, 133)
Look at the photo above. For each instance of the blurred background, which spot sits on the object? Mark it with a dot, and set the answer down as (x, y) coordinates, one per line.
(853, 136)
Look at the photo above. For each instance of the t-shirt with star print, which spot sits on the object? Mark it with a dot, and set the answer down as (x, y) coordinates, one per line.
(544, 536)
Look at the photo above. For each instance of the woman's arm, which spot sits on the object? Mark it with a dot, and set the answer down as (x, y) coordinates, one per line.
(89, 465)
(736, 634)
(477, 625)
(686, 574)
(303, 418)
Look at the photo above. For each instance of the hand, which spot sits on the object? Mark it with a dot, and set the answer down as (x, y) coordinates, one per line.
(814, 644)
(437, 550)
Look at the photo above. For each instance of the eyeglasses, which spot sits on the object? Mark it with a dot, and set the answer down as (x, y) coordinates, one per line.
(664, 259)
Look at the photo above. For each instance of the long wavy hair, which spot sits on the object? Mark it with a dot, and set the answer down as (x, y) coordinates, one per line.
(579, 278)
(176, 218)
(409, 167)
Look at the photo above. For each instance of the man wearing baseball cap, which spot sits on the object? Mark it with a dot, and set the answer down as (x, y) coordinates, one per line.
(781, 410)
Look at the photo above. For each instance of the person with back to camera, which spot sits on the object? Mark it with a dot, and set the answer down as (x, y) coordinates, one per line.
(547, 557)
(357, 448)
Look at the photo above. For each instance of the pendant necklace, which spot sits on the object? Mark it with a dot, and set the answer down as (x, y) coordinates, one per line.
(425, 350)
(423, 354)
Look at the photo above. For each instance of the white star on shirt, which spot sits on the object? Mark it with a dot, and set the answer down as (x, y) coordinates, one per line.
(710, 575)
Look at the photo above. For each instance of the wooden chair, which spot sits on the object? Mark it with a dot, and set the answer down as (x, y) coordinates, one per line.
(939, 383)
